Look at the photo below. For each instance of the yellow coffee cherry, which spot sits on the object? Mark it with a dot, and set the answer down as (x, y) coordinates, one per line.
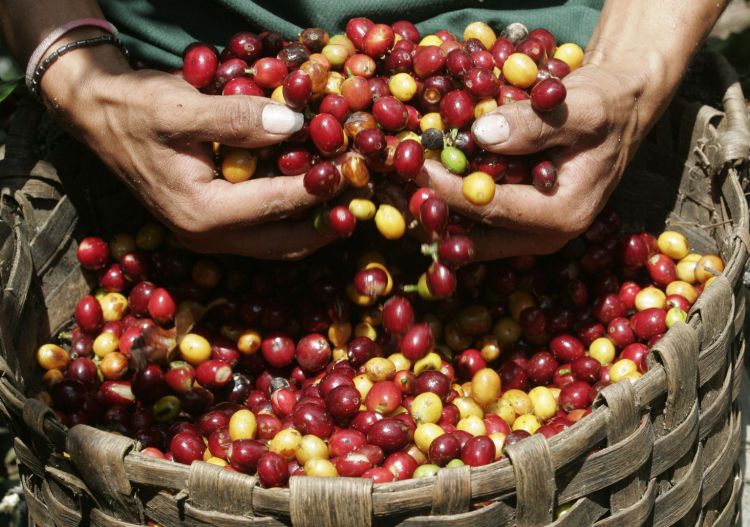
(105, 343)
(242, 425)
(379, 369)
(431, 361)
(478, 188)
(311, 447)
(528, 422)
(52, 356)
(425, 434)
(238, 165)
(485, 386)
(363, 384)
(520, 70)
(114, 306)
(481, 31)
(285, 443)
(468, 407)
(194, 349)
(363, 209)
(603, 350)
(249, 342)
(621, 369)
(519, 400)
(473, 425)
(543, 402)
(649, 297)
(427, 407)
(390, 222)
(431, 120)
(320, 468)
(673, 244)
(402, 86)
(431, 40)
(571, 54)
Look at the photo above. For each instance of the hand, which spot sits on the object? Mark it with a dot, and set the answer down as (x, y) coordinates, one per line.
(590, 139)
(155, 132)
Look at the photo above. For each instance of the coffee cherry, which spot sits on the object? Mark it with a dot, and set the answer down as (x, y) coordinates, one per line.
(327, 134)
(322, 179)
(544, 176)
(238, 165)
(378, 40)
(457, 109)
(571, 54)
(432, 139)
(478, 188)
(408, 159)
(390, 222)
(161, 306)
(390, 113)
(402, 86)
(245, 45)
(199, 64)
(89, 314)
(481, 82)
(441, 281)
(298, 89)
(548, 95)
(398, 315)
(520, 70)
(454, 160)
(342, 221)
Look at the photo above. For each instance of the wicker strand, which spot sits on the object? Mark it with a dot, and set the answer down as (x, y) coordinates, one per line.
(535, 484)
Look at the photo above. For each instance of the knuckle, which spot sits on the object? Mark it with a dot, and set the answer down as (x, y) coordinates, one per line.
(238, 117)
(594, 114)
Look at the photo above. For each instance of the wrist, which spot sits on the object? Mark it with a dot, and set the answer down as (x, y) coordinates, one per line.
(647, 75)
(70, 81)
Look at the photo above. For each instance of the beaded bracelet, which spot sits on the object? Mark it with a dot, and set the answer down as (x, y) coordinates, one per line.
(58, 33)
(35, 84)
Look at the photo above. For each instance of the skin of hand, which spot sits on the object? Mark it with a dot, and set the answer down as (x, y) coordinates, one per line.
(632, 68)
(155, 132)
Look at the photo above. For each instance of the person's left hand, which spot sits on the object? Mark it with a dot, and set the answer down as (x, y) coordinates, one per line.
(590, 139)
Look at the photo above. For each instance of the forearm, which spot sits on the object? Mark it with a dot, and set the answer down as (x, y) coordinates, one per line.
(653, 40)
(65, 81)
(23, 30)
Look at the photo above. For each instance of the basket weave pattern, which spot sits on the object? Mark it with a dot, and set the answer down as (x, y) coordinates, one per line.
(657, 452)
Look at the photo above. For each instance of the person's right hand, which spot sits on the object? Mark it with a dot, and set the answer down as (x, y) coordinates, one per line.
(155, 131)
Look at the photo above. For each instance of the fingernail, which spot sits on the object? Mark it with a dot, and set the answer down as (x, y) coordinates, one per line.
(491, 129)
(278, 119)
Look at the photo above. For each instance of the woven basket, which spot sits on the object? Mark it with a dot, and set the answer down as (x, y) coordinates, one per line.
(660, 451)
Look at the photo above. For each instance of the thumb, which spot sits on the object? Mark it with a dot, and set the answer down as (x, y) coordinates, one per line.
(517, 129)
(244, 121)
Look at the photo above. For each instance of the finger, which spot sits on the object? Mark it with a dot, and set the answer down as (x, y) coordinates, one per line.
(515, 207)
(517, 128)
(245, 121)
(264, 199)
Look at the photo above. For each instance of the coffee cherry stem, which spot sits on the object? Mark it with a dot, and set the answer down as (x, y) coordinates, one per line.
(431, 250)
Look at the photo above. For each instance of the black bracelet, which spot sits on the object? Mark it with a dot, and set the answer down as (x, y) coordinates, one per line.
(35, 85)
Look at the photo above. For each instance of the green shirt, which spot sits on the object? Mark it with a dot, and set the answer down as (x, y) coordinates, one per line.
(158, 30)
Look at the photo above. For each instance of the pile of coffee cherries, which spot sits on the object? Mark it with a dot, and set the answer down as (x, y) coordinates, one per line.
(389, 97)
(340, 366)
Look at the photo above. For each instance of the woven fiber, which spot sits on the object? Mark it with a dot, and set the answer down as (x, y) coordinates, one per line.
(661, 451)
